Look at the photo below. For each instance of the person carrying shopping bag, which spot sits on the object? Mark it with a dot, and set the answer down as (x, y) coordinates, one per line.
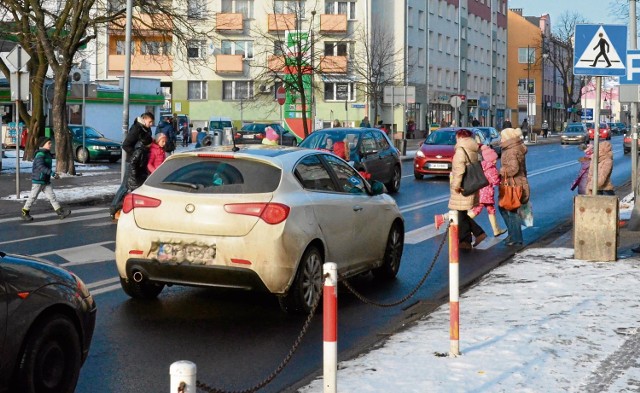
(487, 193)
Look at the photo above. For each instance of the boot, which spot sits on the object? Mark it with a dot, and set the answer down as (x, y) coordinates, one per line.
(63, 213)
(497, 231)
(26, 216)
(439, 219)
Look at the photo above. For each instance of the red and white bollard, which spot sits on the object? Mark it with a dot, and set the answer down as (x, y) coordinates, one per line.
(330, 326)
(183, 377)
(454, 285)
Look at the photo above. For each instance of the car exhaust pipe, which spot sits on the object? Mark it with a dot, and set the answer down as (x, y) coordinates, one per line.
(138, 276)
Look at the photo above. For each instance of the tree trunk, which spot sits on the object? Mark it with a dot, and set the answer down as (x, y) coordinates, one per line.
(64, 153)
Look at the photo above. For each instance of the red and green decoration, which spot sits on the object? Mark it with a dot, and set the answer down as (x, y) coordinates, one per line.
(293, 107)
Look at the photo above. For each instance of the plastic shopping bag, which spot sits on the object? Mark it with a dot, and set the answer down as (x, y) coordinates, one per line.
(526, 214)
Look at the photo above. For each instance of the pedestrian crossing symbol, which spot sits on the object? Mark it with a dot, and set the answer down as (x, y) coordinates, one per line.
(600, 50)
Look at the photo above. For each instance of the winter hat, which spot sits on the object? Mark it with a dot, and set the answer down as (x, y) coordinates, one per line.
(272, 135)
(42, 141)
(507, 133)
(488, 154)
(159, 136)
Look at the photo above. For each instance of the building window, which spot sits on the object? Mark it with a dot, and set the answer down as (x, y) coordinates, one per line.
(340, 91)
(197, 90)
(244, 7)
(289, 7)
(195, 49)
(244, 48)
(422, 20)
(166, 47)
(523, 55)
(410, 16)
(196, 9)
(347, 8)
(150, 48)
(336, 49)
(237, 90)
(279, 48)
(421, 57)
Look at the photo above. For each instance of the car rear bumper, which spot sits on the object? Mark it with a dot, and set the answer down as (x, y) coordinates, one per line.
(196, 275)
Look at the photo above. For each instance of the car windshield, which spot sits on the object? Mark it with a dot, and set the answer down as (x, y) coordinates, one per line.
(318, 140)
(488, 132)
(88, 132)
(574, 129)
(441, 138)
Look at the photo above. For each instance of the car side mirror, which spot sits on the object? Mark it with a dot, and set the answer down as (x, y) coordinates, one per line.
(377, 188)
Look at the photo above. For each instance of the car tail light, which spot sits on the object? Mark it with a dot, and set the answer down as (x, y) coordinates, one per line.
(260, 136)
(135, 201)
(215, 155)
(271, 213)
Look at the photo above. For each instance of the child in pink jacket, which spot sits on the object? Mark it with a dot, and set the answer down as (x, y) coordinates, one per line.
(487, 193)
(157, 153)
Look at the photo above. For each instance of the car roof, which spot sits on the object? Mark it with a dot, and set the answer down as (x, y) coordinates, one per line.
(276, 154)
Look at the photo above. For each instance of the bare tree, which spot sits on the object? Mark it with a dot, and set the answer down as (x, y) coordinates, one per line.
(559, 48)
(378, 64)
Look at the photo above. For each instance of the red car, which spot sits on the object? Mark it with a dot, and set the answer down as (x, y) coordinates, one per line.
(605, 131)
(436, 152)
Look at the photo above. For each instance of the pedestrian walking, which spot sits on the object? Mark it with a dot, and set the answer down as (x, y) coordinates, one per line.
(465, 146)
(507, 124)
(487, 193)
(583, 174)
(365, 122)
(605, 167)
(336, 123)
(157, 153)
(185, 135)
(140, 131)
(514, 167)
(381, 127)
(475, 122)
(138, 171)
(545, 129)
(603, 49)
(41, 175)
(524, 128)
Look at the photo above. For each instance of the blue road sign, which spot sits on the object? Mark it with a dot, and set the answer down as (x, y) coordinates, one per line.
(633, 68)
(587, 114)
(600, 50)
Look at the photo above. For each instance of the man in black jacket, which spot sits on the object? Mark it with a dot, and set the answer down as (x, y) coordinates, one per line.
(140, 131)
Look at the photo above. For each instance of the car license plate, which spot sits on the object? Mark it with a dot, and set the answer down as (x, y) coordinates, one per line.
(115, 153)
(195, 254)
(248, 136)
(438, 166)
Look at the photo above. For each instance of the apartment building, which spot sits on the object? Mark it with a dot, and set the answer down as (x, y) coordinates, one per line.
(441, 48)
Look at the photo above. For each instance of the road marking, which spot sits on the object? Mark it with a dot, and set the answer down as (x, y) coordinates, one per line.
(83, 255)
(52, 214)
(26, 239)
(106, 289)
(71, 218)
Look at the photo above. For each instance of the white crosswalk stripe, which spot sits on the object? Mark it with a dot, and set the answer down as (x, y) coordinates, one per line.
(83, 255)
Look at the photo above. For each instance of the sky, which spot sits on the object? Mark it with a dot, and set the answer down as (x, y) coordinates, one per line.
(594, 11)
(543, 322)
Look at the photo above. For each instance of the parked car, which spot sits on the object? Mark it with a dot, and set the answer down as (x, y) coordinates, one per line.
(604, 133)
(47, 318)
(435, 155)
(492, 136)
(574, 133)
(259, 218)
(368, 150)
(617, 128)
(97, 147)
(626, 144)
(256, 132)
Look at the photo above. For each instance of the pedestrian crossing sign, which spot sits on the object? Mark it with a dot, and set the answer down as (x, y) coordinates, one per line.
(600, 50)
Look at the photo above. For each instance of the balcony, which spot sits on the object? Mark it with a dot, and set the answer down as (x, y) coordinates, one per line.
(275, 63)
(333, 64)
(330, 23)
(144, 24)
(281, 22)
(149, 64)
(229, 23)
(229, 64)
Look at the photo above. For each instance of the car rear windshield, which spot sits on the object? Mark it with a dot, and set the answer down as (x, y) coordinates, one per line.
(216, 176)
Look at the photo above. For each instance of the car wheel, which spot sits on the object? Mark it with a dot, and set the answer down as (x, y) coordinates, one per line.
(145, 289)
(394, 185)
(307, 285)
(52, 357)
(392, 254)
(82, 155)
(417, 176)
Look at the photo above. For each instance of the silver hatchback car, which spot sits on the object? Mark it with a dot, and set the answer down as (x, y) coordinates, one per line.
(258, 218)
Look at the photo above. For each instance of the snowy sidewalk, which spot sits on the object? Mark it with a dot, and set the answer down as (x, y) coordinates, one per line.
(543, 323)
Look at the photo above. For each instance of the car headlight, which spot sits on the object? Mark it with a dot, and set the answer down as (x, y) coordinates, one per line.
(420, 154)
(99, 147)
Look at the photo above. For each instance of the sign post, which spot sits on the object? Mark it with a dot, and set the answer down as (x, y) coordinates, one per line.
(599, 50)
(281, 96)
(18, 58)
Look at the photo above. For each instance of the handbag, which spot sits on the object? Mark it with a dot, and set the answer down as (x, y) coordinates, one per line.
(510, 195)
(526, 214)
(473, 178)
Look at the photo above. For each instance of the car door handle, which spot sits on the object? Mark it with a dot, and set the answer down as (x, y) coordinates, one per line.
(357, 208)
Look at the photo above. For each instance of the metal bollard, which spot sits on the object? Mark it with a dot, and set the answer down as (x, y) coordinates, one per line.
(183, 377)
(454, 289)
(330, 326)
